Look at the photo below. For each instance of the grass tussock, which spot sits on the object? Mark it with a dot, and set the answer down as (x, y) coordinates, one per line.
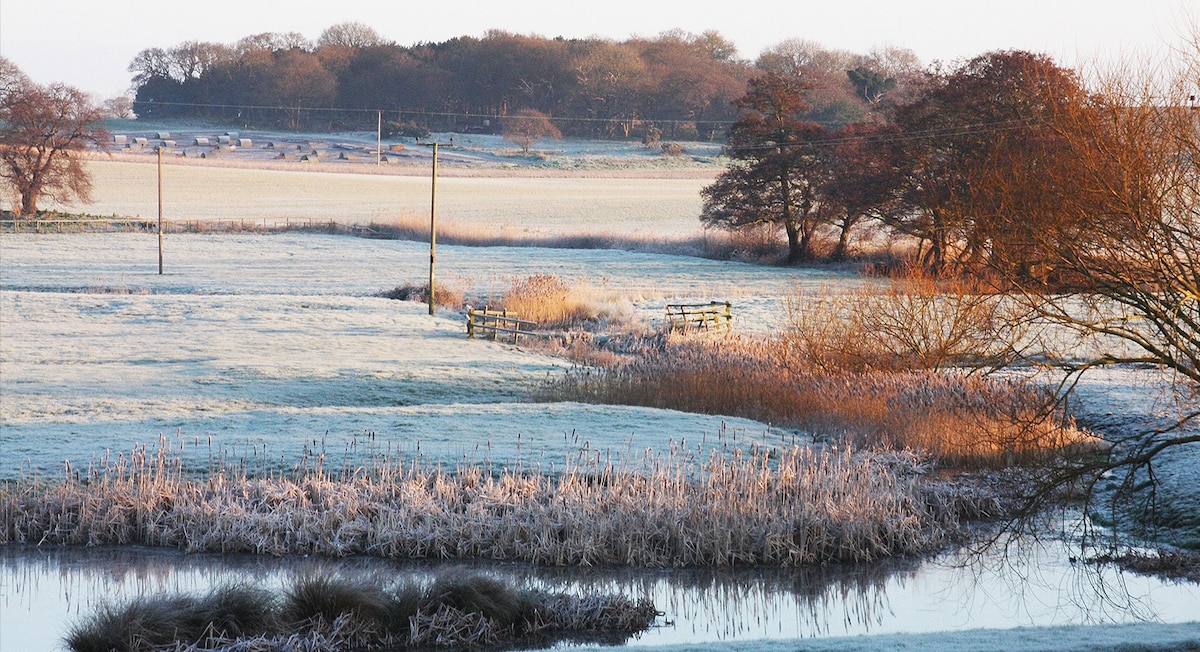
(323, 612)
(960, 419)
(786, 507)
(226, 612)
(446, 296)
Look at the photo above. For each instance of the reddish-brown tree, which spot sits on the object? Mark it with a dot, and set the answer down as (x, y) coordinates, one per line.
(981, 159)
(860, 178)
(43, 132)
(776, 167)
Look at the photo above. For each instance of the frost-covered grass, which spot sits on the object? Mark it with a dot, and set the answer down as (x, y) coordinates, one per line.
(279, 342)
(253, 341)
(545, 205)
(775, 508)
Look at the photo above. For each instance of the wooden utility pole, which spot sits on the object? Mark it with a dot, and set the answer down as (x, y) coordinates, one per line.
(160, 212)
(379, 139)
(433, 227)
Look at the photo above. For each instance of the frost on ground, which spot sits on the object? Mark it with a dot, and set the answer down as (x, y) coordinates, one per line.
(265, 345)
(651, 208)
(1131, 403)
(274, 344)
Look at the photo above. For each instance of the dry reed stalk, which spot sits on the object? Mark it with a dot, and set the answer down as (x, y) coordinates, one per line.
(961, 419)
(769, 507)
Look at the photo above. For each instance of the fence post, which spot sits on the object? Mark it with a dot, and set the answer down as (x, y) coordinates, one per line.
(470, 322)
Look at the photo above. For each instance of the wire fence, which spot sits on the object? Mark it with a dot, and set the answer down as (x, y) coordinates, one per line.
(115, 225)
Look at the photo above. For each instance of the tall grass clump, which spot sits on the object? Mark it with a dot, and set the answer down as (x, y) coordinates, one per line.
(325, 612)
(783, 507)
(554, 303)
(146, 623)
(449, 297)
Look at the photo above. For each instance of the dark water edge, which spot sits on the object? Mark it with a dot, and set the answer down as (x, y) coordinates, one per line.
(44, 590)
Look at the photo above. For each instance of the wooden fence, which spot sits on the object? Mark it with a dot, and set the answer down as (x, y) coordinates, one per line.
(487, 321)
(707, 316)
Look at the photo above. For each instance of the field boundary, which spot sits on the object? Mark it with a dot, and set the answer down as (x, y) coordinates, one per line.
(150, 225)
(705, 316)
(495, 322)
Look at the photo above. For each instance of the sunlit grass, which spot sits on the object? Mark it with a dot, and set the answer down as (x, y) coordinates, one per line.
(959, 419)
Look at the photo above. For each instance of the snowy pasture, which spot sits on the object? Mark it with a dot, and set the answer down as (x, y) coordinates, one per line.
(266, 344)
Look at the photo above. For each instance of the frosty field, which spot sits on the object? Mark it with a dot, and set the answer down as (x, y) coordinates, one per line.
(276, 340)
(514, 204)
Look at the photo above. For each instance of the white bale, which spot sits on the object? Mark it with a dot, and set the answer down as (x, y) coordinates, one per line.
(200, 142)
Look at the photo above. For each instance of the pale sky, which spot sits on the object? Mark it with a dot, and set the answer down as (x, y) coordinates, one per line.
(89, 43)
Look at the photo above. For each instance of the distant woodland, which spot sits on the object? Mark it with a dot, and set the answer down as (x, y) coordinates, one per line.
(678, 85)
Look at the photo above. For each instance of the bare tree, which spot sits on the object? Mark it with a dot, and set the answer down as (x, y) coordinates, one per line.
(351, 35)
(120, 106)
(43, 131)
(1128, 285)
(526, 127)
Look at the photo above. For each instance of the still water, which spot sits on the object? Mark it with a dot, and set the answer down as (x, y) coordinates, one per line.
(43, 591)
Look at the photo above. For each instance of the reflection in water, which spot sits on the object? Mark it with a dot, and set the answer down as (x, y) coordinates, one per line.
(43, 591)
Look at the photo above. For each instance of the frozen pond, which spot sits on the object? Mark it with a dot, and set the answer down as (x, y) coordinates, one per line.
(46, 590)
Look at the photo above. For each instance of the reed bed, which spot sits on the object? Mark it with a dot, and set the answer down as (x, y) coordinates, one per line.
(778, 507)
(960, 419)
(322, 612)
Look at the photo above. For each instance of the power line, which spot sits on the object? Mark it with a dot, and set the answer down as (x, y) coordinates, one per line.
(420, 112)
(831, 141)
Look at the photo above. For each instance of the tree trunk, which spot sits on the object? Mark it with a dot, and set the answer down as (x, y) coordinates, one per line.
(843, 239)
(795, 247)
(29, 200)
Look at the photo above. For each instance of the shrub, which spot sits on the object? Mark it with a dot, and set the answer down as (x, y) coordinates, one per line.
(445, 296)
(407, 129)
(913, 323)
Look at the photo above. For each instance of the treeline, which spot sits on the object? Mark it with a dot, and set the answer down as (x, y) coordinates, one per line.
(677, 84)
(1003, 163)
